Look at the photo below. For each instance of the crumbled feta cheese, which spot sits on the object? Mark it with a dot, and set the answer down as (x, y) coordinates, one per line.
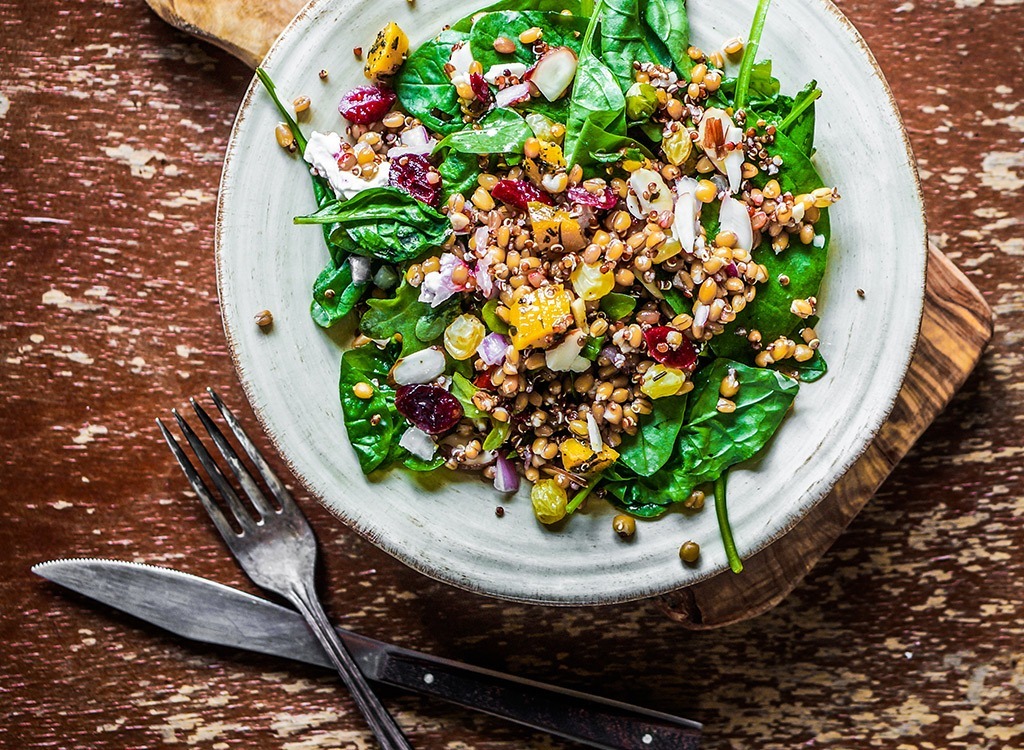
(322, 152)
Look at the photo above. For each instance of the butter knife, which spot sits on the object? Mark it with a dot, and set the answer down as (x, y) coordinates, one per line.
(210, 612)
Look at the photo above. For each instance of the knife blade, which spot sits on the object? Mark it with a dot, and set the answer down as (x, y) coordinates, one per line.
(210, 612)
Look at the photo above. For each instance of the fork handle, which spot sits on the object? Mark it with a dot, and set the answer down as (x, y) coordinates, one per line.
(383, 725)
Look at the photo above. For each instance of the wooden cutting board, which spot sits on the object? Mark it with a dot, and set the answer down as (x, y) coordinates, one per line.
(956, 327)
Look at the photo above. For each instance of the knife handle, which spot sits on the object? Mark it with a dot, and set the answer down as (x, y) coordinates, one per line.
(596, 722)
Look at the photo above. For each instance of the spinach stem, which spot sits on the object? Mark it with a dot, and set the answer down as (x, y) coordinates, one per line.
(579, 497)
(799, 110)
(723, 525)
(300, 139)
(753, 42)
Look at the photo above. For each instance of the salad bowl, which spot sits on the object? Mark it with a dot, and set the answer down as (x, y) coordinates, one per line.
(444, 524)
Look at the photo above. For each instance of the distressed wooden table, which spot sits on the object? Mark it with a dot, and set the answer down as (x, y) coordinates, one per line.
(112, 127)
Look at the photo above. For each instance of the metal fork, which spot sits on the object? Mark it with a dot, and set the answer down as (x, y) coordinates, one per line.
(277, 551)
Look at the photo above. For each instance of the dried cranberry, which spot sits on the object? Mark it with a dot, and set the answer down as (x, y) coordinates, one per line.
(429, 407)
(518, 193)
(483, 380)
(604, 199)
(366, 104)
(481, 89)
(409, 173)
(684, 357)
(731, 270)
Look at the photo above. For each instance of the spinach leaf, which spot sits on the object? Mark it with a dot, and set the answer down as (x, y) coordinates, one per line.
(465, 24)
(498, 435)
(592, 348)
(490, 316)
(668, 21)
(558, 31)
(652, 445)
(769, 312)
(735, 563)
(327, 309)
(596, 147)
(321, 188)
(597, 104)
(806, 372)
(617, 306)
(463, 390)
(679, 302)
(500, 131)
(371, 442)
(459, 173)
(417, 322)
(623, 40)
(710, 441)
(809, 371)
(798, 124)
(425, 91)
(750, 54)
(557, 111)
(384, 223)
(432, 321)
(762, 87)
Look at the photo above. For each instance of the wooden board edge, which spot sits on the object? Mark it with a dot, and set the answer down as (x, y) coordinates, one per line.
(955, 329)
(244, 28)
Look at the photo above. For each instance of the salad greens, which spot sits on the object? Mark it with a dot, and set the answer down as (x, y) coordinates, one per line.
(559, 31)
(708, 441)
(501, 131)
(416, 323)
(580, 369)
(383, 223)
(425, 90)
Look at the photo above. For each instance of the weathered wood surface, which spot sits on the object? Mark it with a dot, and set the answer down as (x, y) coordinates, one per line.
(112, 127)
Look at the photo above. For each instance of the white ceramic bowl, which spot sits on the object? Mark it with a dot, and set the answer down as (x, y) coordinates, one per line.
(446, 527)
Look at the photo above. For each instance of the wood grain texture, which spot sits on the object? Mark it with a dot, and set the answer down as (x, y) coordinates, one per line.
(906, 636)
(244, 28)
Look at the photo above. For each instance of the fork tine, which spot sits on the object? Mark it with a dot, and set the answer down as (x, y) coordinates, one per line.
(276, 486)
(198, 485)
(226, 490)
(240, 470)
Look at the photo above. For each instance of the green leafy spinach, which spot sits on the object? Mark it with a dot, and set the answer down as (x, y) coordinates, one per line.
(384, 223)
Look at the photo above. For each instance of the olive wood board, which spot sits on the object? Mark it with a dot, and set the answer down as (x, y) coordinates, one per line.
(956, 327)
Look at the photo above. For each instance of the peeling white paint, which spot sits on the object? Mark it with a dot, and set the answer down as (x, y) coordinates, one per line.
(88, 433)
(999, 170)
(138, 159)
(59, 299)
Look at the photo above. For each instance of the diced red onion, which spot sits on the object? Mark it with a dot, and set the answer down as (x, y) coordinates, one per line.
(493, 348)
(614, 355)
(505, 477)
(604, 199)
(438, 285)
(482, 274)
(416, 136)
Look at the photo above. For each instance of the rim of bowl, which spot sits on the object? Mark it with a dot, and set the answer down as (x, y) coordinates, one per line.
(373, 536)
